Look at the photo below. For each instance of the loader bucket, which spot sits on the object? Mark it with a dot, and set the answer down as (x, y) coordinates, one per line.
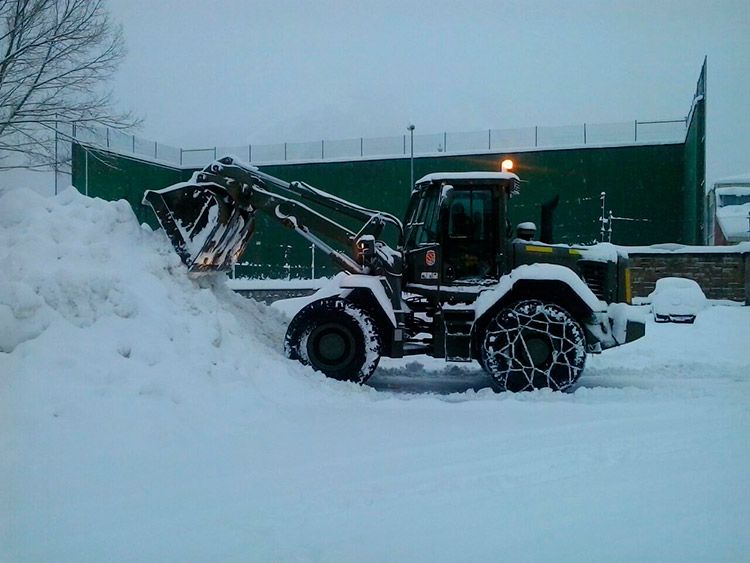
(207, 229)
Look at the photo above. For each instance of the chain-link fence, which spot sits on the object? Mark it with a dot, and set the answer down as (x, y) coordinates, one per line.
(430, 144)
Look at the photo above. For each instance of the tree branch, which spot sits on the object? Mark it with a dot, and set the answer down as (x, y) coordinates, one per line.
(54, 57)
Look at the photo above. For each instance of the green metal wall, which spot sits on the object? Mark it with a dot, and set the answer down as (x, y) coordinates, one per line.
(112, 176)
(694, 162)
(694, 174)
(643, 182)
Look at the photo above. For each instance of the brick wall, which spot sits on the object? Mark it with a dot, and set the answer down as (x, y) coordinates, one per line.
(721, 275)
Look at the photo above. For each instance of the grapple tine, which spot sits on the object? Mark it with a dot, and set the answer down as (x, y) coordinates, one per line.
(203, 223)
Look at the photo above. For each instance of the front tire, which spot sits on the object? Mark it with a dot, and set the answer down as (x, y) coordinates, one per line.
(531, 345)
(335, 337)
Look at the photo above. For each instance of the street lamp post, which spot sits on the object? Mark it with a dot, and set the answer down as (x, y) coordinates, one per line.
(411, 158)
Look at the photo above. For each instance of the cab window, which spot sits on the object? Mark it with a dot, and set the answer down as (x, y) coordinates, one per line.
(424, 220)
(470, 216)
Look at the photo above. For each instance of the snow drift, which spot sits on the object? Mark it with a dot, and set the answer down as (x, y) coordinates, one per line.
(89, 291)
(144, 416)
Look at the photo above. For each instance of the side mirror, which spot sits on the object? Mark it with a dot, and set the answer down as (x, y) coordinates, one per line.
(446, 196)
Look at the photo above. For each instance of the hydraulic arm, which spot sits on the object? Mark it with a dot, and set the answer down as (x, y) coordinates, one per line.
(211, 218)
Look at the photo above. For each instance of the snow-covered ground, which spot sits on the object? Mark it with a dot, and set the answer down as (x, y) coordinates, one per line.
(145, 417)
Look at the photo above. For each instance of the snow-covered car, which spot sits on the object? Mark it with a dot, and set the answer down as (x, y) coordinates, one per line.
(677, 300)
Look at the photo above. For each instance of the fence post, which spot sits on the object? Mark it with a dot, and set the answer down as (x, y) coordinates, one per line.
(489, 139)
(404, 144)
(584, 133)
(156, 150)
(361, 146)
(284, 151)
(635, 129)
(214, 153)
(445, 141)
(107, 137)
(536, 135)
(133, 136)
(249, 152)
(180, 156)
(322, 149)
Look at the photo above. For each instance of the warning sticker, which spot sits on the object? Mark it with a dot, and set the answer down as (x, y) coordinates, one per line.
(430, 257)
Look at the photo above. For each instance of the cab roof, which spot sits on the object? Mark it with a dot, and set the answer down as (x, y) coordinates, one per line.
(448, 176)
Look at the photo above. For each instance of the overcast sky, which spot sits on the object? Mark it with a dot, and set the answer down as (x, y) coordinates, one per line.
(229, 72)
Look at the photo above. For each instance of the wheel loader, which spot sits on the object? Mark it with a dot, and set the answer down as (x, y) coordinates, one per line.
(451, 281)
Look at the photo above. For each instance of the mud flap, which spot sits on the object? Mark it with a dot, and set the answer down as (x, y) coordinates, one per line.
(204, 224)
(618, 326)
(634, 330)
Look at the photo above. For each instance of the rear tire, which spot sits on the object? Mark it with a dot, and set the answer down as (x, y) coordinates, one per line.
(531, 345)
(335, 337)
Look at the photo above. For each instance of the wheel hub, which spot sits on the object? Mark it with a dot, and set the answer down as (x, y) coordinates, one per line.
(330, 345)
(540, 350)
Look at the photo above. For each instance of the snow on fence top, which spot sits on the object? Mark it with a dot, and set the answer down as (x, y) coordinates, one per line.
(429, 144)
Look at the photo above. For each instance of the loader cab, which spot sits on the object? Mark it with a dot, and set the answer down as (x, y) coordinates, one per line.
(456, 228)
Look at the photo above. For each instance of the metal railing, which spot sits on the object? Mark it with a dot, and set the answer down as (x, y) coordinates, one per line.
(431, 144)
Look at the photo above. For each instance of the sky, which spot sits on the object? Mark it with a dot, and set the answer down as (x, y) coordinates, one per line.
(231, 72)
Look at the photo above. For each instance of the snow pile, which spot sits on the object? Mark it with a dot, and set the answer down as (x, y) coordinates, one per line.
(146, 417)
(88, 294)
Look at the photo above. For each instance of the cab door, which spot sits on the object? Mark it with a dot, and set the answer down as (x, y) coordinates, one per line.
(470, 236)
(421, 248)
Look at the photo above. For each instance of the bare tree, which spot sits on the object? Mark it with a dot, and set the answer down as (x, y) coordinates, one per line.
(55, 57)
